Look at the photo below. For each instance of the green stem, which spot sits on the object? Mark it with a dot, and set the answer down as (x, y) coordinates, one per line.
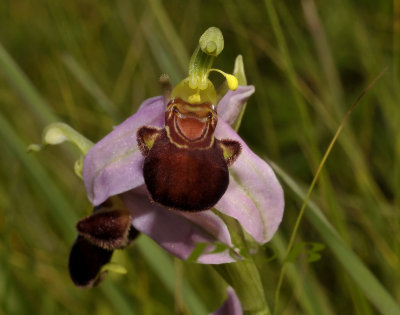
(310, 189)
(244, 278)
(199, 65)
(211, 43)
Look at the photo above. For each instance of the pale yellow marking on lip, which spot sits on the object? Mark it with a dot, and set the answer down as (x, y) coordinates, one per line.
(185, 146)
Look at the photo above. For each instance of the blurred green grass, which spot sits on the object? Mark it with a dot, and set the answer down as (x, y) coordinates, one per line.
(93, 62)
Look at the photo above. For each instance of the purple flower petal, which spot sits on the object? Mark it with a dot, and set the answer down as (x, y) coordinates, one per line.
(176, 231)
(230, 106)
(254, 196)
(231, 306)
(114, 164)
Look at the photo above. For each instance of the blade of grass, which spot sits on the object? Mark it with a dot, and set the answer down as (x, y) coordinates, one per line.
(268, 131)
(325, 57)
(91, 86)
(169, 32)
(310, 148)
(24, 88)
(350, 145)
(164, 267)
(321, 165)
(372, 58)
(161, 55)
(396, 80)
(61, 214)
(309, 294)
(119, 299)
(366, 279)
(355, 268)
(291, 75)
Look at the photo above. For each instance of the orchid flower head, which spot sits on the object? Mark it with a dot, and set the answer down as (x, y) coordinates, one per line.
(171, 168)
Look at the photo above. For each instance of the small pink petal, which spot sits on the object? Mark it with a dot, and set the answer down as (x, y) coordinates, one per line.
(230, 106)
(254, 196)
(178, 232)
(114, 164)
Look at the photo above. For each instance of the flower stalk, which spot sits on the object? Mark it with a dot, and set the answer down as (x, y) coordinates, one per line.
(243, 276)
(211, 44)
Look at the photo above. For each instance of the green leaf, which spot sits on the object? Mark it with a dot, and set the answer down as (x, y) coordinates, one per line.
(355, 268)
(238, 72)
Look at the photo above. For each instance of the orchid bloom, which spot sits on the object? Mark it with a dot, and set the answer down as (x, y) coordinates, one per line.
(168, 170)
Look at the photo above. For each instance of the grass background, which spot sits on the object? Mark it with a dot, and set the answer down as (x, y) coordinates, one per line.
(91, 63)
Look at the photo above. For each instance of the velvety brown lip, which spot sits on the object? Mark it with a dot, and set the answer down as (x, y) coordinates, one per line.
(185, 166)
(183, 178)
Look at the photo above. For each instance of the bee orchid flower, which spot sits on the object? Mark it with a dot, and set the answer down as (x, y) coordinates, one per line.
(170, 169)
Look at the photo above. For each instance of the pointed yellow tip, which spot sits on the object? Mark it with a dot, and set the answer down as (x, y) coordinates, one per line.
(231, 80)
(233, 83)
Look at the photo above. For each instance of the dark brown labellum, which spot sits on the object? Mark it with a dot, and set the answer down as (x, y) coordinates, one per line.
(86, 261)
(185, 179)
(185, 167)
(106, 228)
